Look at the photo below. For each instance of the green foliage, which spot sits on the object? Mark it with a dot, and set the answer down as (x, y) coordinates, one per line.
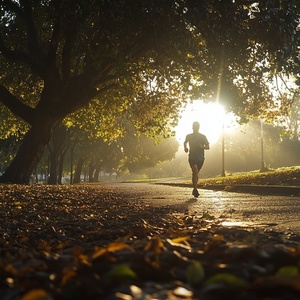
(142, 152)
(178, 48)
(228, 279)
(121, 273)
(287, 271)
(11, 125)
(8, 148)
(106, 62)
(195, 273)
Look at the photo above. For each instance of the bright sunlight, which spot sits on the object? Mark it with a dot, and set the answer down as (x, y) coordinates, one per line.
(211, 117)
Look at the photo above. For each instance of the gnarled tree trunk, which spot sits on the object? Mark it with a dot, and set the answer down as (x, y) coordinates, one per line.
(30, 152)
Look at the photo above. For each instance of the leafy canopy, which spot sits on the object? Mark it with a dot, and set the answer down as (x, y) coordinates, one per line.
(143, 58)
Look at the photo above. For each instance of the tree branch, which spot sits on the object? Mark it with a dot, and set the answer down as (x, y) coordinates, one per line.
(14, 55)
(33, 40)
(15, 106)
(67, 53)
(52, 50)
(34, 56)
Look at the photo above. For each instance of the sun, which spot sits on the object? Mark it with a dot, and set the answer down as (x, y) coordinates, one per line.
(211, 117)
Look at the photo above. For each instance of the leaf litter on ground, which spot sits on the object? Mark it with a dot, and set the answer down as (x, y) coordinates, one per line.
(90, 242)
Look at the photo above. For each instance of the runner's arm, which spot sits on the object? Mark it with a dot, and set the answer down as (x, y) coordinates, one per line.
(206, 146)
(185, 146)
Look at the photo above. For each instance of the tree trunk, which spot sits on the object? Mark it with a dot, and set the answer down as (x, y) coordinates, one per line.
(96, 174)
(53, 174)
(29, 154)
(91, 171)
(57, 148)
(61, 166)
(78, 170)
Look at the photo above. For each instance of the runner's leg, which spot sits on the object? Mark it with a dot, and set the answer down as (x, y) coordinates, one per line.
(194, 175)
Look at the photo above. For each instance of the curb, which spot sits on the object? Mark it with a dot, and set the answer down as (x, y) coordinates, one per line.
(259, 189)
(243, 188)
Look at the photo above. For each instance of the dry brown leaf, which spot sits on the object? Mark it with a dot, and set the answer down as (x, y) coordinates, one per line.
(68, 273)
(154, 245)
(112, 247)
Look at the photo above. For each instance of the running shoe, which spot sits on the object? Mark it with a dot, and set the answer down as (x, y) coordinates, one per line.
(195, 193)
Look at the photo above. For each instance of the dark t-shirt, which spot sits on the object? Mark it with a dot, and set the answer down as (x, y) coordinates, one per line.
(195, 141)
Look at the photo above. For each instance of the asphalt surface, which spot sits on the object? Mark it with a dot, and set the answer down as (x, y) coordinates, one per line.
(273, 212)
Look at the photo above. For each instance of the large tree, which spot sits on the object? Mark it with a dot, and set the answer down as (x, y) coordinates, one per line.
(57, 56)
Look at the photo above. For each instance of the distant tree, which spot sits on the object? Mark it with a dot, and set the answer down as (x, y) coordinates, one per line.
(292, 119)
(243, 148)
(103, 156)
(80, 151)
(177, 167)
(130, 153)
(288, 154)
(141, 152)
(57, 56)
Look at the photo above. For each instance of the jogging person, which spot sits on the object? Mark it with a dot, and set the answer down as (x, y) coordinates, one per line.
(197, 144)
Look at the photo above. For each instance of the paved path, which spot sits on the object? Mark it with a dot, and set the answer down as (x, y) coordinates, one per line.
(281, 213)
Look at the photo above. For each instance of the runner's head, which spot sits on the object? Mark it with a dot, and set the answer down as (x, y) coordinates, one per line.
(196, 126)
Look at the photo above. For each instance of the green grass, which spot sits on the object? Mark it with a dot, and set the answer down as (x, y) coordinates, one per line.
(289, 176)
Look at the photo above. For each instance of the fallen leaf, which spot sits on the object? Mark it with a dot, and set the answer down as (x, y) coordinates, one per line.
(287, 271)
(121, 273)
(113, 247)
(195, 273)
(36, 294)
(228, 279)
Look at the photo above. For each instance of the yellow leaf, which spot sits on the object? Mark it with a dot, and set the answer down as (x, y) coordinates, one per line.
(180, 239)
(37, 294)
(113, 247)
(99, 253)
